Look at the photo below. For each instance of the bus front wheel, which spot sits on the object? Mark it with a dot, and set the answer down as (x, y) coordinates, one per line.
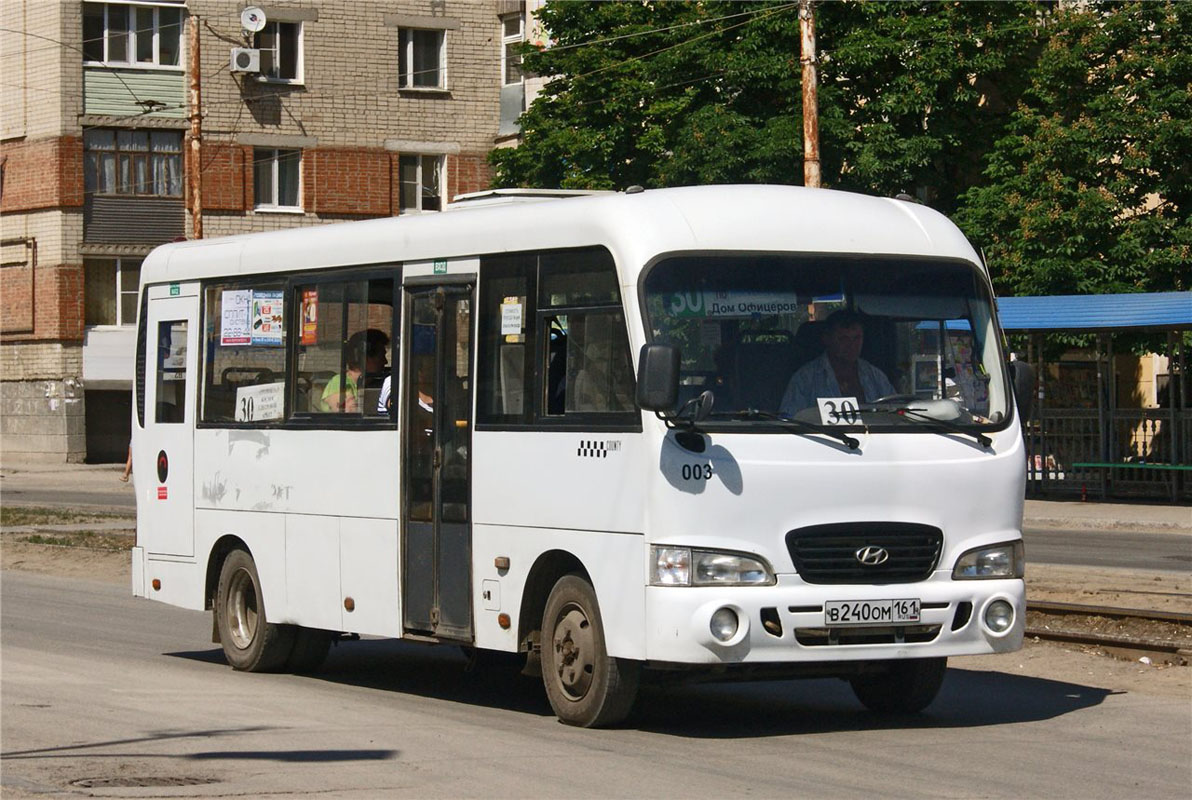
(904, 687)
(585, 686)
(249, 642)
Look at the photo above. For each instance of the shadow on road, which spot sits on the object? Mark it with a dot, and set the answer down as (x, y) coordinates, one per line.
(969, 698)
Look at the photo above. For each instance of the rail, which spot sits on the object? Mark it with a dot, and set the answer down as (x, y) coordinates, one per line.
(1174, 649)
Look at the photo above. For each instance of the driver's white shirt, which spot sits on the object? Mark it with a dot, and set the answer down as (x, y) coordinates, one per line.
(816, 379)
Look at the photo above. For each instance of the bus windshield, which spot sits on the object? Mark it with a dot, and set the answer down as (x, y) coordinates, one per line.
(857, 341)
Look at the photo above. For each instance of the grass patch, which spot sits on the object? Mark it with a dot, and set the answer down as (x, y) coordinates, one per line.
(12, 516)
(91, 540)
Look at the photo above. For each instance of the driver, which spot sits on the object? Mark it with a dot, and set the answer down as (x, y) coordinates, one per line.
(839, 371)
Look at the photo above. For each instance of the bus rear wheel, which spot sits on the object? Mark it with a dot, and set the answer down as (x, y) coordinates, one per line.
(249, 642)
(904, 687)
(586, 687)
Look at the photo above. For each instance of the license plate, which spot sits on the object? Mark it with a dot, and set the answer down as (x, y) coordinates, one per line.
(871, 612)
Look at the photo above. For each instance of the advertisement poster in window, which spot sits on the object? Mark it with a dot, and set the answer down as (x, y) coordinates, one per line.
(267, 318)
(172, 351)
(234, 320)
(310, 316)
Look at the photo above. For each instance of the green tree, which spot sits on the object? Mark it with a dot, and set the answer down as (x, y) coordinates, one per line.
(1090, 190)
(911, 95)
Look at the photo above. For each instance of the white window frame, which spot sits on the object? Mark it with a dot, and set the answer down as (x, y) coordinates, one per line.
(299, 56)
(406, 41)
(133, 34)
(440, 165)
(275, 158)
(507, 40)
(119, 292)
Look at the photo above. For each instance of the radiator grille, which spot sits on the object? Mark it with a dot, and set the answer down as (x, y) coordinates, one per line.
(828, 553)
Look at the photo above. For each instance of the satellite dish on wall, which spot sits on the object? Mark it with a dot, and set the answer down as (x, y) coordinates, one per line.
(252, 19)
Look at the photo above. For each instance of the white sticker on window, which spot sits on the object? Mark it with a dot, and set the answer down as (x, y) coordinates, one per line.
(234, 324)
(511, 319)
(839, 410)
(260, 402)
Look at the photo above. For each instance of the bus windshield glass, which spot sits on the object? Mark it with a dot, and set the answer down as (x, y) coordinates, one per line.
(856, 341)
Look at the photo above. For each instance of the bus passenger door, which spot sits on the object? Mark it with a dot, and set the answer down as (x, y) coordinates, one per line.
(164, 471)
(436, 466)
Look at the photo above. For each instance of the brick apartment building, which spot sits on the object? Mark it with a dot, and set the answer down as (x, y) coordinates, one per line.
(336, 110)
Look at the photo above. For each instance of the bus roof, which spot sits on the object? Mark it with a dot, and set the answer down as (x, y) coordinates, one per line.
(636, 227)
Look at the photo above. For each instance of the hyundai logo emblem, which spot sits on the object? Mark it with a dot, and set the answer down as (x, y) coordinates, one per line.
(871, 556)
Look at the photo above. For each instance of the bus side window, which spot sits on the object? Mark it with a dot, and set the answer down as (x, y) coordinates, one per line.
(244, 352)
(586, 350)
(171, 371)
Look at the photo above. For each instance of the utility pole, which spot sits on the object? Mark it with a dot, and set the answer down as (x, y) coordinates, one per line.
(194, 171)
(811, 156)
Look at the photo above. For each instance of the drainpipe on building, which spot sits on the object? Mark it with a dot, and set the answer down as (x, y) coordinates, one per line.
(195, 172)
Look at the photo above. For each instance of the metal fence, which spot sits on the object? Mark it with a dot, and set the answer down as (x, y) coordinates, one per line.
(1140, 443)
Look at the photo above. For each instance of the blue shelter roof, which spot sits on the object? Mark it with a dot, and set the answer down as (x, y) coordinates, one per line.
(1156, 311)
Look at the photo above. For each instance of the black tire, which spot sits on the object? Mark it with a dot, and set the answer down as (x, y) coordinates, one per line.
(310, 650)
(904, 687)
(250, 644)
(586, 687)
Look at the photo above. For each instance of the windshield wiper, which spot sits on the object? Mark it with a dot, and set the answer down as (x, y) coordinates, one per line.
(793, 425)
(918, 415)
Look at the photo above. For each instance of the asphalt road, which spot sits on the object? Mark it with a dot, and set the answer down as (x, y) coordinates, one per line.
(98, 686)
(1170, 552)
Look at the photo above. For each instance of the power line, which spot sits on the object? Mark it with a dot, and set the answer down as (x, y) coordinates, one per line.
(78, 50)
(718, 31)
(558, 48)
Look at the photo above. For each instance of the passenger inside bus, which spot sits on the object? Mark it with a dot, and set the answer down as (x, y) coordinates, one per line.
(839, 371)
(364, 355)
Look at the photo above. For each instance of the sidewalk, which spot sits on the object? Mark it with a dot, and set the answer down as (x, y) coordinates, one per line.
(99, 485)
(1077, 515)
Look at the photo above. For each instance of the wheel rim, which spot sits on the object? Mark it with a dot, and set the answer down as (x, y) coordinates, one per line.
(242, 613)
(575, 647)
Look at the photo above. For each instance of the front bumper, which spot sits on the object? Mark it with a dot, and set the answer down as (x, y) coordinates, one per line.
(678, 620)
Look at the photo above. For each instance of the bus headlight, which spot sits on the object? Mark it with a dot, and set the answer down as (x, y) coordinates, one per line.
(1006, 560)
(682, 566)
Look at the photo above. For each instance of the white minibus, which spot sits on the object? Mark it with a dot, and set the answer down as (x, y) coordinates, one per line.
(710, 432)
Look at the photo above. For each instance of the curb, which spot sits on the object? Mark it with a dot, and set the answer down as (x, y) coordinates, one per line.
(1107, 524)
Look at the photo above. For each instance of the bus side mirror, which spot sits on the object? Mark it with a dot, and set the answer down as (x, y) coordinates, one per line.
(658, 377)
(1022, 378)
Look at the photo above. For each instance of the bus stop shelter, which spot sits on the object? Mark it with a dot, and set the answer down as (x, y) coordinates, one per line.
(1100, 447)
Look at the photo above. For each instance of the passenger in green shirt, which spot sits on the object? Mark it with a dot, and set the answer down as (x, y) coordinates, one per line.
(364, 351)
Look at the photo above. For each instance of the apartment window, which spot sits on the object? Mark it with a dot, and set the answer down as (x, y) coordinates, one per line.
(141, 36)
(133, 162)
(276, 176)
(110, 291)
(421, 183)
(512, 36)
(280, 44)
(422, 59)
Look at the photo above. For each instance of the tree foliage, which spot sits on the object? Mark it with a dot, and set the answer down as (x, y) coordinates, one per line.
(1089, 191)
(1059, 136)
(664, 94)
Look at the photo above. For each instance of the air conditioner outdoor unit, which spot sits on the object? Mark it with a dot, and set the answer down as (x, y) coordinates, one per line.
(246, 59)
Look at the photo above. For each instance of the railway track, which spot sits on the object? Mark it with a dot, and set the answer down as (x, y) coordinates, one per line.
(1163, 636)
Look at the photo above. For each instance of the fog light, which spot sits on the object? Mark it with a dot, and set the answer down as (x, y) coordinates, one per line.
(724, 624)
(999, 616)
